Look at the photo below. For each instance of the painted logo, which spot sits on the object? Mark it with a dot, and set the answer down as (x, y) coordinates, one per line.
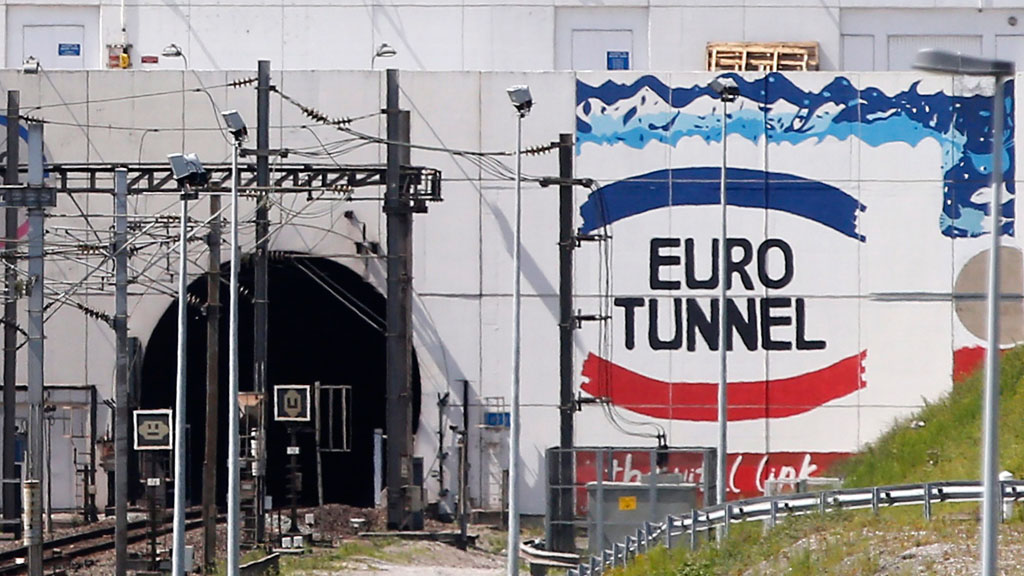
(785, 256)
(761, 320)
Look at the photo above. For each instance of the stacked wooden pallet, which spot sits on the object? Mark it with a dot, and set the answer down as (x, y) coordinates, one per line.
(762, 56)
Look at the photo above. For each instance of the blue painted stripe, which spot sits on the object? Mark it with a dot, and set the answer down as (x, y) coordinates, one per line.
(810, 199)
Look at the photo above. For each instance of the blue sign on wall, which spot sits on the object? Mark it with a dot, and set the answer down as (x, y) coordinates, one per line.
(497, 419)
(69, 49)
(618, 59)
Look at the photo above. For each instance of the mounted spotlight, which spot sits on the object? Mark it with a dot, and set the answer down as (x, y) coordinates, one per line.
(726, 88)
(189, 172)
(521, 99)
(31, 65)
(172, 51)
(236, 125)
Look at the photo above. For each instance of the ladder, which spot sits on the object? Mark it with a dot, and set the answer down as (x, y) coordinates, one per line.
(248, 492)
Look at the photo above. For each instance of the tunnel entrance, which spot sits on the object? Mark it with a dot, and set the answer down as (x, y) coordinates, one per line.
(326, 325)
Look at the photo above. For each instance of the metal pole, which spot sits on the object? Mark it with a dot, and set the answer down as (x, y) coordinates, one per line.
(464, 468)
(260, 277)
(212, 387)
(992, 497)
(121, 415)
(316, 443)
(10, 478)
(233, 464)
(723, 326)
(33, 534)
(513, 450)
(398, 343)
(378, 465)
(562, 537)
(293, 476)
(178, 548)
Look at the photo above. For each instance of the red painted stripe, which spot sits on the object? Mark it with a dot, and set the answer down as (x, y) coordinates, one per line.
(22, 232)
(698, 401)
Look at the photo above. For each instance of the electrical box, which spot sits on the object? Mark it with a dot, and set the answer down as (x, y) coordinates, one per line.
(119, 55)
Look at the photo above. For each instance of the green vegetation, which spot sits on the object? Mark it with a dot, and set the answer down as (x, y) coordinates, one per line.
(940, 442)
(333, 559)
(943, 440)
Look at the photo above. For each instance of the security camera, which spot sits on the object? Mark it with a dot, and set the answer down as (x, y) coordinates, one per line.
(188, 170)
(726, 88)
(521, 99)
(236, 126)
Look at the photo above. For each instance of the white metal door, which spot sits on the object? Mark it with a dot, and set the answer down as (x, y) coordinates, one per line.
(602, 49)
(55, 47)
(858, 52)
(904, 48)
(1010, 48)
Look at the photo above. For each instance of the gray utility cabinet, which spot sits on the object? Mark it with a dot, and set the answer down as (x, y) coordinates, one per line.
(617, 509)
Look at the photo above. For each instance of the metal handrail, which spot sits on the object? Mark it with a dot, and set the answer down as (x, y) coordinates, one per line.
(769, 508)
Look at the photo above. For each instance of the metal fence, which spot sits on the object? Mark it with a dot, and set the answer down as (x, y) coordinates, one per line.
(677, 530)
(572, 510)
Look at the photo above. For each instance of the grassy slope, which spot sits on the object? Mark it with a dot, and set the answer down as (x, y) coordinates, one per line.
(946, 447)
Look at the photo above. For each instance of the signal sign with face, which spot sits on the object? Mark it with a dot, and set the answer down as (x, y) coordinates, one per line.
(154, 430)
(291, 403)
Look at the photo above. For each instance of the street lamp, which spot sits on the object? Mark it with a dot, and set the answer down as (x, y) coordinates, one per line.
(236, 126)
(188, 171)
(174, 51)
(956, 63)
(383, 51)
(523, 102)
(727, 91)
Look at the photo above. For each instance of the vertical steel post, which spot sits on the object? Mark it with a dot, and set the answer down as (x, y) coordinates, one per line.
(464, 469)
(233, 438)
(513, 451)
(723, 326)
(210, 462)
(399, 317)
(121, 416)
(33, 532)
(260, 276)
(316, 443)
(599, 505)
(562, 529)
(378, 465)
(178, 546)
(10, 479)
(992, 497)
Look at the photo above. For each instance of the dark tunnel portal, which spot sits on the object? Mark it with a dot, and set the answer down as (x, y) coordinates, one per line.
(313, 335)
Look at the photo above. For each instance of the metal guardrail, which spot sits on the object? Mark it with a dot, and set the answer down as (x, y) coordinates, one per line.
(677, 529)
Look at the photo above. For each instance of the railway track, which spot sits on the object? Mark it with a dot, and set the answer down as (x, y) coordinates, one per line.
(86, 543)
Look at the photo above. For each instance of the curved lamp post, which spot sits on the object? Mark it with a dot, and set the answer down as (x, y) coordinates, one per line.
(958, 64)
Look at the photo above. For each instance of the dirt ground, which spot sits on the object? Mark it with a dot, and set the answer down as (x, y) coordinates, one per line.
(421, 559)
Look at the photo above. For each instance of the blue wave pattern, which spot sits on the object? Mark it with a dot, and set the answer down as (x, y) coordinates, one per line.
(647, 110)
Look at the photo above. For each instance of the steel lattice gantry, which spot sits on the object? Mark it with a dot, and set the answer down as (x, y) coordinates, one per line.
(418, 184)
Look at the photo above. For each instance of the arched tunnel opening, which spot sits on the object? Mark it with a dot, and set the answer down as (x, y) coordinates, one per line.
(325, 324)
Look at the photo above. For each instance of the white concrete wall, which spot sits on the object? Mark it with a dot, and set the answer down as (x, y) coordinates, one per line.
(886, 296)
(487, 35)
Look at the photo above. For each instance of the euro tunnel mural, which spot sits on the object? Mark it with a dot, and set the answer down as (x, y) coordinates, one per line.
(858, 233)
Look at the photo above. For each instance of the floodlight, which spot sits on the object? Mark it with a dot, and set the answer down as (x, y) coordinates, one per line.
(726, 88)
(521, 98)
(172, 51)
(188, 170)
(235, 124)
(31, 65)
